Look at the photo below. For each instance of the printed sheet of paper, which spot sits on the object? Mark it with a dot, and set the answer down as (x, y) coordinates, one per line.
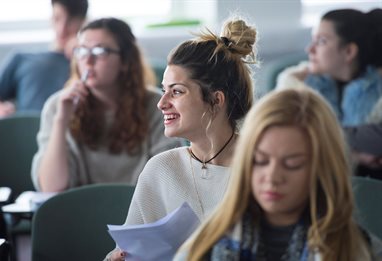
(159, 240)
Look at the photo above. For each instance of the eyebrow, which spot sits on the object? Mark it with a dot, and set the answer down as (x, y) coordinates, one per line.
(292, 155)
(174, 84)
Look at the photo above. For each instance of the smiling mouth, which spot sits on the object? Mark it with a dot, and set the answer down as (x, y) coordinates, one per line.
(170, 117)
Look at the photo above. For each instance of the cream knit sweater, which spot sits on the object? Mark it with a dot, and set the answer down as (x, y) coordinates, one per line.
(168, 180)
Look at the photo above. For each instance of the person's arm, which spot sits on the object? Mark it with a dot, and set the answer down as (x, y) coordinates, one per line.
(53, 168)
(7, 108)
(293, 77)
(365, 142)
(365, 138)
(116, 255)
(8, 85)
(53, 173)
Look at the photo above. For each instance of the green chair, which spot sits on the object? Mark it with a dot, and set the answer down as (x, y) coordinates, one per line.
(17, 146)
(368, 197)
(273, 68)
(72, 224)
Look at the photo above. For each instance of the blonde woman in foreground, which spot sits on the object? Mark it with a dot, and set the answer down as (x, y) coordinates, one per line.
(290, 195)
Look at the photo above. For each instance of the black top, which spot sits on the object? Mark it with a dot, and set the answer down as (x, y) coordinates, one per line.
(276, 240)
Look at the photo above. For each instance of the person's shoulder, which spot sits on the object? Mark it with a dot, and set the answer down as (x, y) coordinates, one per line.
(51, 103)
(50, 58)
(27, 55)
(372, 77)
(320, 82)
(168, 161)
(163, 165)
(292, 76)
(169, 156)
(14, 58)
(38, 57)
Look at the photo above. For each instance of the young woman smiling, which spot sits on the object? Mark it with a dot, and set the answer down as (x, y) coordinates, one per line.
(207, 89)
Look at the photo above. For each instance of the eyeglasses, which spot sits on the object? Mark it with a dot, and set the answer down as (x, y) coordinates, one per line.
(97, 52)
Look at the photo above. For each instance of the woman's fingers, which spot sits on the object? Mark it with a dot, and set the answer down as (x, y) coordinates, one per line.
(79, 92)
(70, 98)
(118, 255)
(75, 94)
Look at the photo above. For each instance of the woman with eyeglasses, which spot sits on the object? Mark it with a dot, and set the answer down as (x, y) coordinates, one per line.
(104, 125)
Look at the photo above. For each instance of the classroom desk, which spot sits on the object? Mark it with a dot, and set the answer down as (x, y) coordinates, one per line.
(26, 204)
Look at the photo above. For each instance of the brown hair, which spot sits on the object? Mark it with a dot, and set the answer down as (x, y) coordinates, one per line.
(221, 64)
(130, 125)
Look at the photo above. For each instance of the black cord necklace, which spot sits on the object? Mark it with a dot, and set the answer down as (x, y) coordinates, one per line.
(217, 154)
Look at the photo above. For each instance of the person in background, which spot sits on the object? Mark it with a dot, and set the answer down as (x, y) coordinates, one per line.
(365, 140)
(207, 89)
(342, 68)
(28, 79)
(290, 196)
(375, 18)
(104, 125)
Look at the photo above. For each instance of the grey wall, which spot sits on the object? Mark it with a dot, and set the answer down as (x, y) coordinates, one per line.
(278, 24)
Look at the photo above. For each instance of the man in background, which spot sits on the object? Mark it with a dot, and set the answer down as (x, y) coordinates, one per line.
(28, 79)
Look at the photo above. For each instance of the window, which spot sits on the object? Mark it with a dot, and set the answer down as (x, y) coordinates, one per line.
(18, 24)
(312, 10)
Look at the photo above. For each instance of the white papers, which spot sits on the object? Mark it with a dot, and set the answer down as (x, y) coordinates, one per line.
(159, 240)
(28, 202)
(5, 193)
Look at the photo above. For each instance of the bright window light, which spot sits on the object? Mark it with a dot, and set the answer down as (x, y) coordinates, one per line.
(312, 10)
(18, 24)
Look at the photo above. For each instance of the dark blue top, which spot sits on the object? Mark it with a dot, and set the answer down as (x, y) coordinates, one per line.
(30, 78)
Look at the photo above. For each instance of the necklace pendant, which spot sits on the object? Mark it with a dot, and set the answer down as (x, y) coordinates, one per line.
(204, 166)
(204, 172)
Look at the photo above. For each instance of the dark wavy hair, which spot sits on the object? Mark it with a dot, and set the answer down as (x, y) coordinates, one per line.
(130, 126)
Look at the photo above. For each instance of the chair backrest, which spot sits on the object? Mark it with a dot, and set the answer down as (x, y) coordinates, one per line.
(73, 224)
(272, 69)
(17, 146)
(368, 197)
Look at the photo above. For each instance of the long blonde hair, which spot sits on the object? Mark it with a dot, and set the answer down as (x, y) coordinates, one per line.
(333, 232)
